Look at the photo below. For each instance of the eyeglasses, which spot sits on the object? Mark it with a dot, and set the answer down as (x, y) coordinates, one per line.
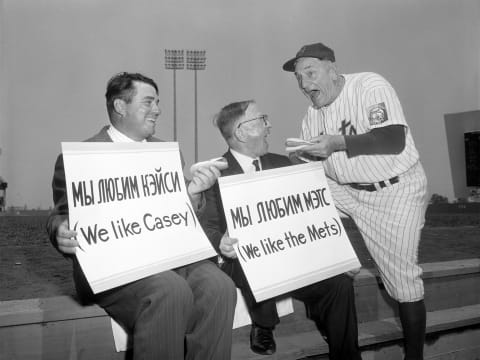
(264, 118)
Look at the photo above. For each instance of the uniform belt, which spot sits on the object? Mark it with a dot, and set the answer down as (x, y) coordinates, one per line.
(375, 186)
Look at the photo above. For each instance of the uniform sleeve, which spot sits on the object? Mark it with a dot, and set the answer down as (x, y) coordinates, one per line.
(384, 140)
(382, 106)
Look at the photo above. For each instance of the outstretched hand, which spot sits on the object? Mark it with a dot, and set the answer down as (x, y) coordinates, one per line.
(203, 179)
(324, 145)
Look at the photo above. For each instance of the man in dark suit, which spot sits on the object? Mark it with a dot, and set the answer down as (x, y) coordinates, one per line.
(330, 303)
(181, 313)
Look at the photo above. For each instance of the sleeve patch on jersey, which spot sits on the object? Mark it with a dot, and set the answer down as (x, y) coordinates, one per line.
(377, 114)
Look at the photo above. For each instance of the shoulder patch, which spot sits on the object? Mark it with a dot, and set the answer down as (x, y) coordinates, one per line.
(377, 114)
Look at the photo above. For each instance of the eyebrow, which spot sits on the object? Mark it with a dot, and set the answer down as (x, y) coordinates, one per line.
(305, 68)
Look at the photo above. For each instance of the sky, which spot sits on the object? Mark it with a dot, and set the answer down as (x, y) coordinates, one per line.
(57, 55)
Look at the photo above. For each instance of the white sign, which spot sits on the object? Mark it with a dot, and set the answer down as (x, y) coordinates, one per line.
(129, 205)
(289, 232)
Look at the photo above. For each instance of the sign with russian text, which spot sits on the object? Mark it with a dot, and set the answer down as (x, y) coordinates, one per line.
(129, 205)
(288, 230)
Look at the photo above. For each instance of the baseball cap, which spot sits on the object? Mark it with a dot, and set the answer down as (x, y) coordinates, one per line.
(317, 50)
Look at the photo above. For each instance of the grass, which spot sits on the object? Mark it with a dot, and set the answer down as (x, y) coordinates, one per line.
(30, 267)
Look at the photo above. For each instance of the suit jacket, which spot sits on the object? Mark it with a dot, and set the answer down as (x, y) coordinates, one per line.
(60, 213)
(213, 218)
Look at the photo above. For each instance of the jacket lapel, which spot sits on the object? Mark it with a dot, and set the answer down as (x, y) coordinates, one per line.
(234, 167)
(266, 163)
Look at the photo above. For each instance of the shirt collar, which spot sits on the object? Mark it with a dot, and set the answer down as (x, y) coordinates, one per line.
(245, 161)
(118, 136)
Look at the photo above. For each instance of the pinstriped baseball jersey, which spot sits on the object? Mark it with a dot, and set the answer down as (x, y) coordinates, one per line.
(366, 102)
(391, 218)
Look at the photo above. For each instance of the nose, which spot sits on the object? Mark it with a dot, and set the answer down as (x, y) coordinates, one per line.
(307, 85)
(156, 109)
(304, 83)
(301, 81)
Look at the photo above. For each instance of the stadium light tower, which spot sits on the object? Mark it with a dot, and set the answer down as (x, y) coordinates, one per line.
(174, 60)
(3, 194)
(196, 60)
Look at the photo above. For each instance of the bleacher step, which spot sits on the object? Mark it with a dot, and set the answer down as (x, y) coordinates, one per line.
(298, 345)
(448, 284)
(60, 328)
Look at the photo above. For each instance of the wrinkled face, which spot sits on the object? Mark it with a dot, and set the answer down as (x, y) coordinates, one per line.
(316, 80)
(255, 128)
(141, 114)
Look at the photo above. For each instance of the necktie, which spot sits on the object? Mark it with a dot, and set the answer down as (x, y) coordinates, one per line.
(256, 164)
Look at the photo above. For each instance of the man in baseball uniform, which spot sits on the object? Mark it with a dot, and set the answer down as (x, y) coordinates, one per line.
(356, 126)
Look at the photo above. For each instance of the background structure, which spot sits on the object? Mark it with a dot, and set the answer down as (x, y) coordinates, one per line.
(456, 125)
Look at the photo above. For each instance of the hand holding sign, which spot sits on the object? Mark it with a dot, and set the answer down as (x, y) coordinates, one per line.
(227, 246)
(66, 239)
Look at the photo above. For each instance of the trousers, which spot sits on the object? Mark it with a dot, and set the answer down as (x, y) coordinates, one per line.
(186, 313)
(329, 303)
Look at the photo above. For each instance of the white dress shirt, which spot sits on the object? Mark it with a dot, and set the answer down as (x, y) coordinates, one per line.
(246, 162)
(118, 136)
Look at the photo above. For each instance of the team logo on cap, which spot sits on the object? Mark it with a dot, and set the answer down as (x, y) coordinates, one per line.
(377, 114)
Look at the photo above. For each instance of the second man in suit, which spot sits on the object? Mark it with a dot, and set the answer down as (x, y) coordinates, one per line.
(330, 303)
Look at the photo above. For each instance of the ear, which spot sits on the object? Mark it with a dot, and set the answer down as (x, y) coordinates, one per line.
(333, 71)
(120, 107)
(240, 134)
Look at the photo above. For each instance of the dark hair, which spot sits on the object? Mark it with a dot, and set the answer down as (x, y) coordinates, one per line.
(121, 86)
(226, 118)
